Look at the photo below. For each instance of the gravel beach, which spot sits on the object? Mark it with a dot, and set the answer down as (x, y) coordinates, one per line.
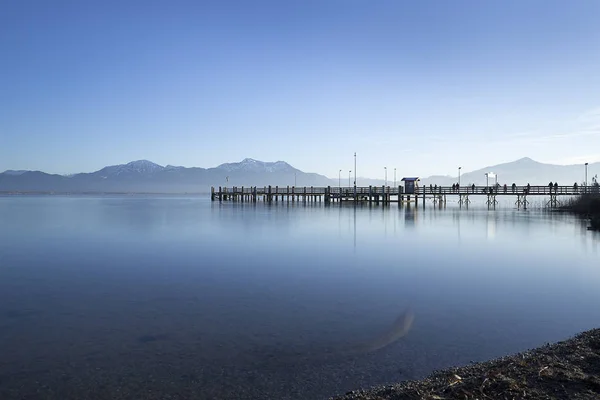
(564, 370)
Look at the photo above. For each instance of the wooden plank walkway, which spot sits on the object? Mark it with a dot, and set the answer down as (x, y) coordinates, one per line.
(389, 194)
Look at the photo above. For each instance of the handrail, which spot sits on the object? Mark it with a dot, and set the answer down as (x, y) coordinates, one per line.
(427, 190)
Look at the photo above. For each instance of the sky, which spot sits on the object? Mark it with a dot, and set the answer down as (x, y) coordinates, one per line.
(421, 86)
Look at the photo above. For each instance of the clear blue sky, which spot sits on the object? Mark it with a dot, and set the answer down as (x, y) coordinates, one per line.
(422, 86)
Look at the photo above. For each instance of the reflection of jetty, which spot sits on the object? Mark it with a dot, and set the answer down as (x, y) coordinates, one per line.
(408, 193)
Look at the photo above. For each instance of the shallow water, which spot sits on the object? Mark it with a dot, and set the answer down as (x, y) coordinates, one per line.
(178, 297)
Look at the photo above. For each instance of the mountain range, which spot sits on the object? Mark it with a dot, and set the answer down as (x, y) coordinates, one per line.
(147, 177)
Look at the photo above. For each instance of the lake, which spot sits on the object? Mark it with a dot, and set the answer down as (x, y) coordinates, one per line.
(167, 297)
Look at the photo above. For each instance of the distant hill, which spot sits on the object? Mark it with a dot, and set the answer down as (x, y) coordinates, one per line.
(521, 172)
(147, 177)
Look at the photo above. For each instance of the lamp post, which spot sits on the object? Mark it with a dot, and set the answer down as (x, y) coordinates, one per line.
(394, 177)
(294, 179)
(340, 179)
(459, 176)
(586, 164)
(487, 183)
(349, 177)
(385, 169)
(354, 168)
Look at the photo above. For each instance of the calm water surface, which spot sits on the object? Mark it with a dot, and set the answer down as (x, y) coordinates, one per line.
(178, 297)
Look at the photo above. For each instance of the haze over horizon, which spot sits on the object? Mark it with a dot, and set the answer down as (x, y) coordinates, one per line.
(422, 87)
(149, 166)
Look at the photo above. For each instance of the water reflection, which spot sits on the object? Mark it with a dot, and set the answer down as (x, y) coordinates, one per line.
(491, 225)
(410, 216)
(274, 301)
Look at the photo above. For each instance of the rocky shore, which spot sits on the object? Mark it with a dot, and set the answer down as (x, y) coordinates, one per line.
(564, 370)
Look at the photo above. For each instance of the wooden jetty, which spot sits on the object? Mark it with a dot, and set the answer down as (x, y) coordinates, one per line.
(400, 194)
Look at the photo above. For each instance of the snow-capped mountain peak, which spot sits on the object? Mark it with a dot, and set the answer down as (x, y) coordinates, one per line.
(144, 166)
(252, 165)
(140, 167)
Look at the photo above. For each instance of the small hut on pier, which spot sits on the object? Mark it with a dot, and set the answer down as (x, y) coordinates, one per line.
(410, 185)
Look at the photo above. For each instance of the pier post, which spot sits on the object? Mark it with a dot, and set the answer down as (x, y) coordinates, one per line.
(243, 194)
(220, 194)
(553, 202)
(212, 193)
(491, 200)
(522, 201)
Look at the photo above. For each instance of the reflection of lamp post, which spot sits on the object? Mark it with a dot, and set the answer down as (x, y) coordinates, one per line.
(459, 176)
(385, 184)
(394, 178)
(586, 164)
(349, 178)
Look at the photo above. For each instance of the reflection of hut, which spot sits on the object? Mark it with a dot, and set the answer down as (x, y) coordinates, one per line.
(409, 217)
(410, 185)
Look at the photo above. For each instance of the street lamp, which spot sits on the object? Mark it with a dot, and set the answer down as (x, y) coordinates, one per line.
(349, 178)
(354, 168)
(294, 179)
(385, 168)
(459, 176)
(487, 183)
(340, 179)
(586, 164)
(394, 177)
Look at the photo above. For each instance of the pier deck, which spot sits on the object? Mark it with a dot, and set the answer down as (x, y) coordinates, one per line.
(393, 194)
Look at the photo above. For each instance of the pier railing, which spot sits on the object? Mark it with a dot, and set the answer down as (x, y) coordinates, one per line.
(399, 190)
